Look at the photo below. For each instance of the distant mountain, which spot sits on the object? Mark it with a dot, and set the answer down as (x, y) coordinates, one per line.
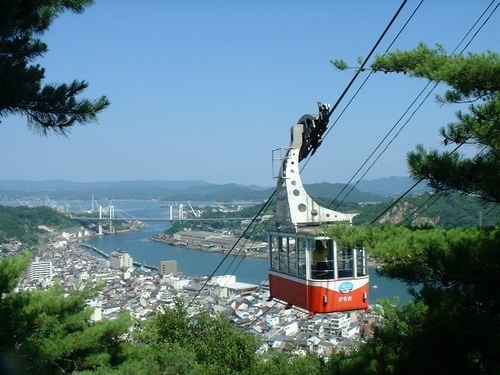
(160, 190)
(366, 191)
(391, 186)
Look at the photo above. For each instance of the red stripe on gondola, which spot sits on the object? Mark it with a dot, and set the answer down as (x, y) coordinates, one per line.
(319, 296)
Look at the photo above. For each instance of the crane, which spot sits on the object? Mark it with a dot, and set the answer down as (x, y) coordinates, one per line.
(196, 213)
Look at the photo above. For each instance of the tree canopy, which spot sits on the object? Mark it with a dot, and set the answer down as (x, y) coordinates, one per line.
(48, 108)
(24, 223)
(474, 79)
(44, 332)
(452, 325)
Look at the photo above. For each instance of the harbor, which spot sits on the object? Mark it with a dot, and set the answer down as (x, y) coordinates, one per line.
(106, 255)
(198, 262)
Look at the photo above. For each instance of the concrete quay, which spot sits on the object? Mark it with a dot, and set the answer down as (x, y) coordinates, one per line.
(214, 242)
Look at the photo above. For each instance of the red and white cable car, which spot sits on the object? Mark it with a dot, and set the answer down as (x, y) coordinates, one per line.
(307, 269)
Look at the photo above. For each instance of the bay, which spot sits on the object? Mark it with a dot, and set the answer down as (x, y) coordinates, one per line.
(200, 263)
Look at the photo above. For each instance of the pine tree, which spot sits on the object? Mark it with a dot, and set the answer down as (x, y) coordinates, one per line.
(452, 325)
(47, 107)
(44, 332)
(474, 78)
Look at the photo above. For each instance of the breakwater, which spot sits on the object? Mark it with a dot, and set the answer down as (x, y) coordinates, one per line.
(106, 255)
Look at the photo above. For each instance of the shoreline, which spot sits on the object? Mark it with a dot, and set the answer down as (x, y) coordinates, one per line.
(106, 256)
(160, 237)
(168, 240)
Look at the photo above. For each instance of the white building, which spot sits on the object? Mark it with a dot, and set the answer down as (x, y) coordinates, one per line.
(83, 276)
(340, 321)
(227, 285)
(291, 329)
(121, 260)
(96, 310)
(273, 320)
(350, 331)
(40, 270)
(176, 282)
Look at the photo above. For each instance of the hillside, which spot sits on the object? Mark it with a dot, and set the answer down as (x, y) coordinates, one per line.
(433, 210)
(391, 186)
(164, 191)
(25, 223)
(446, 211)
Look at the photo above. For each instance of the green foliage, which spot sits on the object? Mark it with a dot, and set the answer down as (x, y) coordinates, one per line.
(42, 331)
(452, 325)
(11, 270)
(175, 227)
(48, 107)
(351, 236)
(384, 353)
(470, 78)
(215, 346)
(339, 64)
(172, 327)
(285, 364)
(436, 210)
(418, 339)
(23, 222)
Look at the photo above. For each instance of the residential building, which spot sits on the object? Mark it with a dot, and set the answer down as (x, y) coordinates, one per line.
(121, 260)
(168, 267)
(40, 270)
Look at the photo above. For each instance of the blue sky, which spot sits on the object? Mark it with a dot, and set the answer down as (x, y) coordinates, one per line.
(205, 90)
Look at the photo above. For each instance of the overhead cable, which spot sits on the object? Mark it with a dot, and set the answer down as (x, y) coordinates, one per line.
(406, 111)
(232, 248)
(332, 109)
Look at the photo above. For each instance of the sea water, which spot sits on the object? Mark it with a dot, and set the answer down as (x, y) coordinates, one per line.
(193, 262)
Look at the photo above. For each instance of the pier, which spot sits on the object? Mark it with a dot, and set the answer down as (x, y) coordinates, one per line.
(105, 255)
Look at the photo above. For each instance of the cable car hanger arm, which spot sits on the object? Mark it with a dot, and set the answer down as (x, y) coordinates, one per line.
(314, 128)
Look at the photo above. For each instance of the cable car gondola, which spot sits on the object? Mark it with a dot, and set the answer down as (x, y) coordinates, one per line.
(307, 269)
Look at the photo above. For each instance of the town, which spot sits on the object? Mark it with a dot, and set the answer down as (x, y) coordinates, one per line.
(143, 291)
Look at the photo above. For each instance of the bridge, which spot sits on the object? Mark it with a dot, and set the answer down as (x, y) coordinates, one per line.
(108, 214)
(89, 218)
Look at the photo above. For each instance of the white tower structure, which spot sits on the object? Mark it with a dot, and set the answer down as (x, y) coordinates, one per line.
(111, 217)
